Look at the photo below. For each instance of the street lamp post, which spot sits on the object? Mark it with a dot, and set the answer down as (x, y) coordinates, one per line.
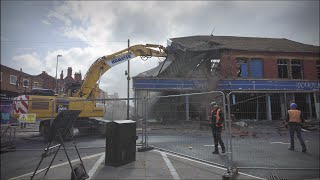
(128, 78)
(57, 73)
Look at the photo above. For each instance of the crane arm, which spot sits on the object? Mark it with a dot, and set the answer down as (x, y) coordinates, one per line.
(104, 63)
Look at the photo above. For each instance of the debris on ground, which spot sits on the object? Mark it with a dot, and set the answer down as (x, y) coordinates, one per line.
(244, 133)
(254, 134)
(311, 125)
(241, 124)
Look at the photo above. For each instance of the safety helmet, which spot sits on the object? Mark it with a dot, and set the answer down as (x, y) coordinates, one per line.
(214, 104)
(293, 106)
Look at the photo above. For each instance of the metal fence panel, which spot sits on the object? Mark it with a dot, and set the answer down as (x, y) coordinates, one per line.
(28, 143)
(260, 139)
(180, 124)
(256, 139)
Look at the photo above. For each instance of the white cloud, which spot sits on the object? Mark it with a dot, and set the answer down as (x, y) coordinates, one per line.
(80, 59)
(28, 62)
(104, 27)
(155, 22)
(24, 49)
(46, 22)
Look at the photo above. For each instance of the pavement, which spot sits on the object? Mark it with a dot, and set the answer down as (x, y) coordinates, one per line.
(152, 164)
(157, 164)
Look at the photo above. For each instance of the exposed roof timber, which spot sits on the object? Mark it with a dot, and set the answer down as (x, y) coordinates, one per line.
(190, 64)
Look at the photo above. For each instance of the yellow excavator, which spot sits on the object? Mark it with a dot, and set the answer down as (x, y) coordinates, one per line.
(85, 98)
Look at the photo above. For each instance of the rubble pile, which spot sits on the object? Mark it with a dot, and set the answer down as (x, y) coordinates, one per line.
(241, 129)
(311, 125)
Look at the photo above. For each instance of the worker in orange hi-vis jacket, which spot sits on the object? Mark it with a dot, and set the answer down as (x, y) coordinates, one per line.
(216, 121)
(294, 121)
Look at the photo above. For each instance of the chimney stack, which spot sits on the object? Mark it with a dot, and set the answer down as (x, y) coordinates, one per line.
(69, 72)
(77, 77)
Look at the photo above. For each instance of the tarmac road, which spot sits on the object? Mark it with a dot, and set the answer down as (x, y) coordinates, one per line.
(264, 155)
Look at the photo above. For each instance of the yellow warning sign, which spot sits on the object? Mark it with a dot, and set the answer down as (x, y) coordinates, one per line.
(28, 118)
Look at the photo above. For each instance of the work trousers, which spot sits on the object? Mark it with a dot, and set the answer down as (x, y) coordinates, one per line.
(216, 133)
(296, 127)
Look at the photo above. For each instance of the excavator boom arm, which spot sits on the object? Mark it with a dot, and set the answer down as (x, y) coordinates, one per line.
(104, 63)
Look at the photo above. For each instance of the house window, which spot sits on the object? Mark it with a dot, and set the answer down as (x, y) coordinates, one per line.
(296, 71)
(214, 66)
(35, 84)
(318, 69)
(13, 79)
(283, 68)
(256, 68)
(25, 82)
(1, 77)
(242, 67)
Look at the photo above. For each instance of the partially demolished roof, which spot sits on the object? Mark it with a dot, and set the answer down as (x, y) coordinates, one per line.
(207, 43)
(213, 44)
(155, 71)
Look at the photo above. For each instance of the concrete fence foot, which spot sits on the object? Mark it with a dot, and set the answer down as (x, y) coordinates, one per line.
(229, 174)
(142, 149)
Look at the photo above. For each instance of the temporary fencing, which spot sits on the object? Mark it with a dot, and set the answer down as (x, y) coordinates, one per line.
(28, 145)
(180, 124)
(254, 131)
(31, 115)
(260, 139)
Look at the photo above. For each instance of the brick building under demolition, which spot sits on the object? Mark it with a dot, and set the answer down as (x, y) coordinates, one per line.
(226, 63)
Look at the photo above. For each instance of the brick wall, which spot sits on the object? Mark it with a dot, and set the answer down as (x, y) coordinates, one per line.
(5, 81)
(310, 70)
(228, 66)
(49, 82)
(77, 77)
(270, 68)
(21, 76)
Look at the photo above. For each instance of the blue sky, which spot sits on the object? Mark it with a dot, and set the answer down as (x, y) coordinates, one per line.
(34, 32)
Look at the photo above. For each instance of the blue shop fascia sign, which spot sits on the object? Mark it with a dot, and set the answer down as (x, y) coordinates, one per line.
(268, 85)
(201, 84)
(170, 84)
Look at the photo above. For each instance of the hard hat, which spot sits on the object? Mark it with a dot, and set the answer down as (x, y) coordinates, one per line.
(214, 104)
(293, 106)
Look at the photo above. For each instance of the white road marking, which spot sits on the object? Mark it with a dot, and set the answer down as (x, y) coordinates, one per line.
(61, 164)
(210, 165)
(95, 167)
(207, 145)
(278, 143)
(170, 166)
